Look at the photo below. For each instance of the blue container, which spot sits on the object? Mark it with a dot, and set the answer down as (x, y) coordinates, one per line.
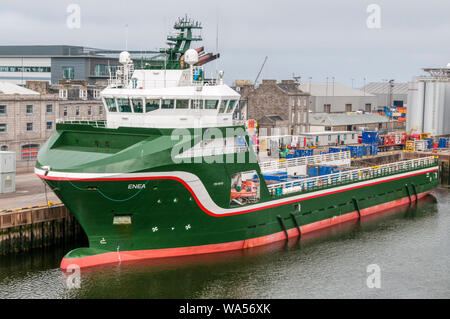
(324, 170)
(333, 150)
(337, 149)
(313, 171)
(443, 142)
(356, 151)
(430, 142)
(374, 149)
(369, 137)
(297, 153)
(367, 149)
(277, 176)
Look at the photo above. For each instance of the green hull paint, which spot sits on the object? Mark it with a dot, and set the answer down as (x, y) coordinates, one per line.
(164, 214)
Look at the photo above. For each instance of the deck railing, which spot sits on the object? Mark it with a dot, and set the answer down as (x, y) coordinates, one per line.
(324, 181)
(96, 123)
(315, 159)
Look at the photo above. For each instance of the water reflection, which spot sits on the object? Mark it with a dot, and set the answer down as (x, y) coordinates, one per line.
(328, 263)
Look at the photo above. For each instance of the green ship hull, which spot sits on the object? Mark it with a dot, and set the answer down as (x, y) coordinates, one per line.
(134, 201)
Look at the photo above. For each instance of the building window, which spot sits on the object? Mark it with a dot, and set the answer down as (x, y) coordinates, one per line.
(30, 109)
(4, 148)
(49, 125)
(65, 110)
(89, 110)
(96, 94)
(77, 111)
(3, 128)
(327, 108)
(102, 70)
(83, 94)
(100, 109)
(25, 69)
(49, 109)
(29, 127)
(348, 107)
(30, 151)
(68, 72)
(63, 94)
(368, 107)
(2, 109)
(329, 137)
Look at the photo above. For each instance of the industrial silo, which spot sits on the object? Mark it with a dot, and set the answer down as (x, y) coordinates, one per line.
(429, 103)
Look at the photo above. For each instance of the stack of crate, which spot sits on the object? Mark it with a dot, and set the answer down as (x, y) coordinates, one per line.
(7, 172)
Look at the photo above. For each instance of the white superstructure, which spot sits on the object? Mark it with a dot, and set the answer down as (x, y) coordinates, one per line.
(167, 98)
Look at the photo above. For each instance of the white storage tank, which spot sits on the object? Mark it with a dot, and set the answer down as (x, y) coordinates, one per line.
(7, 172)
(429, 103)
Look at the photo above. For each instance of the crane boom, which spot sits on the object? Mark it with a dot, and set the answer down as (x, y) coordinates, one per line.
(260, 70)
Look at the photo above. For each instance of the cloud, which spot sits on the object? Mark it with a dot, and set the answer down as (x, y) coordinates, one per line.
(315, 38)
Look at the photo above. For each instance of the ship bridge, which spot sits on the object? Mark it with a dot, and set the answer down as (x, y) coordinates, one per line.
(168, 98)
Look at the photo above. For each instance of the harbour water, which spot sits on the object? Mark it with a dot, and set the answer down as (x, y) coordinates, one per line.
(410, 245)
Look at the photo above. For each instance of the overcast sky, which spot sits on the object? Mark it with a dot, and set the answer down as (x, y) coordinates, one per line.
(311, 38)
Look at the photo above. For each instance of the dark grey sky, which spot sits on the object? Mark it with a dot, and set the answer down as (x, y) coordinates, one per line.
(313, 38)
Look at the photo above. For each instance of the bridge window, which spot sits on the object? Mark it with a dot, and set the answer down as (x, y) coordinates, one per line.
(223, 106)
(231, 106)
(168, 104)
(124, 105)
(151, 105)
(137, 105)
(211, 104)
(197, 104)
(111, 104)
(182, 104)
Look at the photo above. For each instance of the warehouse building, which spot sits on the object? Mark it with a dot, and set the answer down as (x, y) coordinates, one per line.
(331, 97)
(21, 63)
(388, 93)
(321, 122)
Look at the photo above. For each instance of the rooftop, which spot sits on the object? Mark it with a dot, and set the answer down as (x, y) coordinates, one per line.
(383, 88)
(330, 89)
(62, 51)
(338, 119)
(9, 88)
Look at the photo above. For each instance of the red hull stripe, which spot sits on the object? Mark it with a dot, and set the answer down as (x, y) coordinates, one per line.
(202, 207)
(116, 257)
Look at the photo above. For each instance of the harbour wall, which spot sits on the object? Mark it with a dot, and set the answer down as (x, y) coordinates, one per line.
(37, 228)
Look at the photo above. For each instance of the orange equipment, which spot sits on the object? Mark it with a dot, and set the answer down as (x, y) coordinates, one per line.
(247, 189)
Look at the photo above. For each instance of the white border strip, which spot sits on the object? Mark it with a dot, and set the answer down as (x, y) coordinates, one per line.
(205, 199)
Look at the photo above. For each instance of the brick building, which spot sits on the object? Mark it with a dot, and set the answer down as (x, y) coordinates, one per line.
(28, 117)
(276, 105)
